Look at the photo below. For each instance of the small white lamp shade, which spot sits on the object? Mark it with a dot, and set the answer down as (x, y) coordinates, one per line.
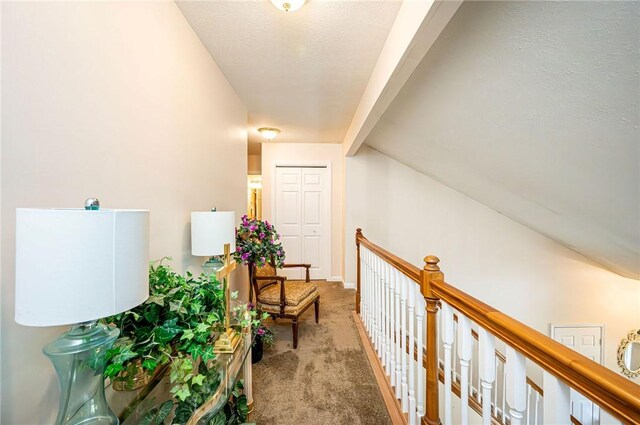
(75, 265)
(211, 230)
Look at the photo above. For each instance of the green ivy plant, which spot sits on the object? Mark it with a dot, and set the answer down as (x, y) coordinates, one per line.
(157, 415)
(258, 327)
(236, 410)
(175, 323)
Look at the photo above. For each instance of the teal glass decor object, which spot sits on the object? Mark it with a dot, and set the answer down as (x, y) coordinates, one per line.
(78, 356)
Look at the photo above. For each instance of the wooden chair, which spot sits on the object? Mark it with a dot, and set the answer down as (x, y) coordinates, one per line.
(283, 298)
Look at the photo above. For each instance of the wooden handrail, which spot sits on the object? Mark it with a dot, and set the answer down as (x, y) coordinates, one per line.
(408, 269)
(610, 391)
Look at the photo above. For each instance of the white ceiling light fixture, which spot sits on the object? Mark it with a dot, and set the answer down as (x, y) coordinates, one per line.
(269, 133)
(288, 5)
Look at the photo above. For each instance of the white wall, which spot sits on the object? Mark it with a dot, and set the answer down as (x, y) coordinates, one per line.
(482, 252)
(533, 109)
(117, 100)
(301, 153)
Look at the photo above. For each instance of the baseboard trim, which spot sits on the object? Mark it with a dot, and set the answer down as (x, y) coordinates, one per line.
(335, 279)
(388, 394)
(349, 285)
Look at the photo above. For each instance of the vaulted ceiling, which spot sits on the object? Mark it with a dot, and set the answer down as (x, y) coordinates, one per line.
(530, 108)
(533, 109)
(303, 72)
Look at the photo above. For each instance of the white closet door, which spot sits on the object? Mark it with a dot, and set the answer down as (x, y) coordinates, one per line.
(586, 340)
(302, 216)
(288, 210)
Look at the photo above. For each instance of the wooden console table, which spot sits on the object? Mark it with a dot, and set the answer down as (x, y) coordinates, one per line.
(131, 406)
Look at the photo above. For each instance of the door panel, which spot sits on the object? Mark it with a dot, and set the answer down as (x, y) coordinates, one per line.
(290, 211)
(302, 216)
(312, 207)
(586, 340)
(288, 207)
(316, 249)
(311, 251)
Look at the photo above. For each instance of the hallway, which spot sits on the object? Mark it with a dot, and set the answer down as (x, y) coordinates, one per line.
(327, 380)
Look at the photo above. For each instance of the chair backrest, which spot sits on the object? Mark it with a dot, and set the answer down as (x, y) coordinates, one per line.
(267, 270)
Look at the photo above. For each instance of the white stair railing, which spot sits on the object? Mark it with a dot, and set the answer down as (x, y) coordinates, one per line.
(398, 306)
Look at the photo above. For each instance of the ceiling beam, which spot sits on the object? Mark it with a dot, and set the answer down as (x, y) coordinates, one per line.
(416, 28)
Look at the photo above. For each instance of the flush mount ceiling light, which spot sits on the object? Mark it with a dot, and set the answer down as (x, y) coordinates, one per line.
(269, 133)
(288, 5)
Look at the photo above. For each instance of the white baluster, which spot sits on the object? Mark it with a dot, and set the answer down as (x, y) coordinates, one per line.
(486, 371)
(504, 394)
(537, 404)
(365, 289)
(528, 404)
(377, 302)
(412, 363)
(473, 344)
(392, 327)
(398, 345)
(516, 385)
(557, 401)
(454, 351)
(422, 372)
(478, 388)
(405, 384)
(367, 286)
(380, 297)
(465, 341)
(495, 389)
(370, 306)
(360, 254)
(447, 340)
(387, 320)
(383, 314)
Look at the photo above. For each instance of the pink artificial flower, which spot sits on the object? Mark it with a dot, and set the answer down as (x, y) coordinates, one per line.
(262, 235)
(261, 332)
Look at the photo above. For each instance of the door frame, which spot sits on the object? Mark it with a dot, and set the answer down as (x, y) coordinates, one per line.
(553, 327)
(328, 198)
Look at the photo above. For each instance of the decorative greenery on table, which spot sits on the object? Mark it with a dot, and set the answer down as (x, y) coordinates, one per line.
(256, 242)
(175, 323)
(235, 411)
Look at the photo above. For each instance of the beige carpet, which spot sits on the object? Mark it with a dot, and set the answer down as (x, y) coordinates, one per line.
(327, 380)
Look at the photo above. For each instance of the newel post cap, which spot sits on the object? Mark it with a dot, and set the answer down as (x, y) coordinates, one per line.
(431, 263)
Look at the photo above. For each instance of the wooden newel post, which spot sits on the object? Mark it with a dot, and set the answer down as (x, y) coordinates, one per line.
(428, 274)
(358, 236)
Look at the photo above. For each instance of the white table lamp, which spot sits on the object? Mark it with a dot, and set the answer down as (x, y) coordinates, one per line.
(213, 233)
(73, 267)
(210, 232)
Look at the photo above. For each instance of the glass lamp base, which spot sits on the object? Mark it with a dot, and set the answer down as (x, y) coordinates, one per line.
(79, 359)
(213, 264)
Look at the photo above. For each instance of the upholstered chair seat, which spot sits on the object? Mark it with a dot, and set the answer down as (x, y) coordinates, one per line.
(295, 292)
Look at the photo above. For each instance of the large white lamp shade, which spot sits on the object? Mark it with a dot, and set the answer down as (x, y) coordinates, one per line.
(75, 265)
(211, 230)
